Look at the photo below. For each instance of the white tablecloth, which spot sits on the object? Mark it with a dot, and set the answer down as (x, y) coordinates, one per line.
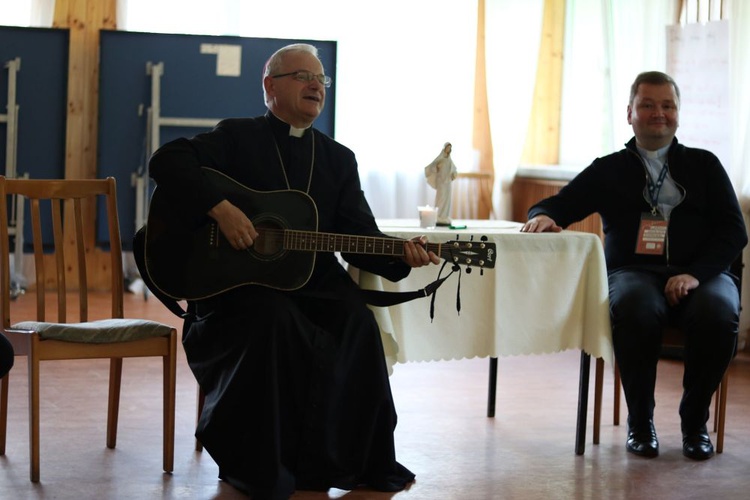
(547, 293)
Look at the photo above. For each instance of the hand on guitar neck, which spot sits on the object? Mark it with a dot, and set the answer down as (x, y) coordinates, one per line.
(415, 253)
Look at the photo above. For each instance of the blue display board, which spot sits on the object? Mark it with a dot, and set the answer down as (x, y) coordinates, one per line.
(41, 94)
(203, 77)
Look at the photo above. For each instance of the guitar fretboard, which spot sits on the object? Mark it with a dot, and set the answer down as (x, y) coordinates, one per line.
(331, 242)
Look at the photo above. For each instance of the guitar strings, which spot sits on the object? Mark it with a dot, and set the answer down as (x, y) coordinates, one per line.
(292, 239)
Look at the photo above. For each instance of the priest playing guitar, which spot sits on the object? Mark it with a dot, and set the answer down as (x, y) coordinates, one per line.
(291, 365)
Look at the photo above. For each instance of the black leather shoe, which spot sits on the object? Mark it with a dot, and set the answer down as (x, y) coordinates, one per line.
(697, 445)
(642, 440)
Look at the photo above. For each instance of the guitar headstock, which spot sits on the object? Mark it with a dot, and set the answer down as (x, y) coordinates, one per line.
(481, 254)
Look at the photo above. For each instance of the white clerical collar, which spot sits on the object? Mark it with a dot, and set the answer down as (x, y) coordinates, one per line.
(654, 155)
(296, 132)
(293, 131)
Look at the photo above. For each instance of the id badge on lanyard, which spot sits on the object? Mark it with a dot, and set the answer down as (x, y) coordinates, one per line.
(652, 232)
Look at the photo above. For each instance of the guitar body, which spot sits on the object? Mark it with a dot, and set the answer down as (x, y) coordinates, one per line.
(191, 260)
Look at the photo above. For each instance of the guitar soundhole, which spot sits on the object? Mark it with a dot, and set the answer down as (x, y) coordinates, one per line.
(270, 243)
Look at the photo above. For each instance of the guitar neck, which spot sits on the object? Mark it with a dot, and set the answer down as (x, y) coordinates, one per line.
(312, 241)
(469, 253)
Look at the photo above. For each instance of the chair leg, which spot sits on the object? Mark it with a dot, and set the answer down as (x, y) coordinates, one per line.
(716, 410)
(616, 399)
(170, 379)
(3, 412)
(598, 386)
(717, 405)
(492, 388)
(201, 401)
(113, 410)
(721, 414)
(33, 361)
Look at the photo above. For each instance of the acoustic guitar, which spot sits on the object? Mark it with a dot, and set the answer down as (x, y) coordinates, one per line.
(191, 260)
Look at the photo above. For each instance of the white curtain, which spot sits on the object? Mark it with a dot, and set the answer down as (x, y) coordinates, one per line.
(600, 64)
(42, 12)
(15, 13)
(404, 76)
(739, 20)
(513, 33)
(36, 13)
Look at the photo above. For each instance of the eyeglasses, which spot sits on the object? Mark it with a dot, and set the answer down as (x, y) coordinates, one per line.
(307, 77)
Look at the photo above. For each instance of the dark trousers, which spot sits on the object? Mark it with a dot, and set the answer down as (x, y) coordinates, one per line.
(709, 318)
(297, 390)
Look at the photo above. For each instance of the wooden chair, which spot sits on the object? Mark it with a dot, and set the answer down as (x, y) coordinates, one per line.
(76, 336)
(672, 346)
(472, 196)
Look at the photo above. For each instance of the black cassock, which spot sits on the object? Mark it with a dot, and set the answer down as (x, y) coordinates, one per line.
(296, 384)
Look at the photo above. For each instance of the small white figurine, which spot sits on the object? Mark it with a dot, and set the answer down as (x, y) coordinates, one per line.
(440, 174)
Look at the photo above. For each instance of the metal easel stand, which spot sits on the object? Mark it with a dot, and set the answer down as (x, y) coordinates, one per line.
(15, 224)
(154, 121)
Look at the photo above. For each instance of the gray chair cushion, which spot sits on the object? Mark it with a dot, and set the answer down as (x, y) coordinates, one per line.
(98, 332)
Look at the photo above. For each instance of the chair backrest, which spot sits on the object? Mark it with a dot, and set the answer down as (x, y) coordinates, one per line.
(471, 194)
(67, 208)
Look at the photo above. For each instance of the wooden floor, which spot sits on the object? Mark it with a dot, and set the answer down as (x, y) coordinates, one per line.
(525, 452)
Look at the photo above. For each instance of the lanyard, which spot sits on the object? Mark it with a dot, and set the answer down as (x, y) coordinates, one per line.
(654, 189)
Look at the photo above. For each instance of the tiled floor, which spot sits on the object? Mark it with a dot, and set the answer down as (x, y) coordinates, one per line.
(526, 452)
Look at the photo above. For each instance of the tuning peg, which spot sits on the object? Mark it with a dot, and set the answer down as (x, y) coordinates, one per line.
(468, 270)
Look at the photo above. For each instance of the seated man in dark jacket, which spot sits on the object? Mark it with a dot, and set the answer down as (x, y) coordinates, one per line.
(672, 227)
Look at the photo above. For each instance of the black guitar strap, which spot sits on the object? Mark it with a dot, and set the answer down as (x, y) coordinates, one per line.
(384, 299)
(380, 298)
(375, 298)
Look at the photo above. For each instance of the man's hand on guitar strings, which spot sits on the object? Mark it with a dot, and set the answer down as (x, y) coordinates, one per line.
(415, 254)
(234, 225)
